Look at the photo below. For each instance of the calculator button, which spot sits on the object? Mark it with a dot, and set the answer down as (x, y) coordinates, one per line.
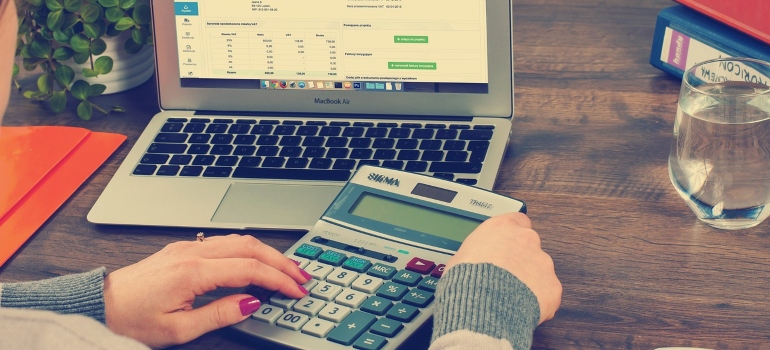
(342, 277)
(408, 278)
(332, 258)
(428, 283)
(318, 327)
(308, 251)
(335, 313)
(318, 270)
(370, 342)
(403, 312)
(368, 284)
(417, 297)
(292, 320)
(376, 305)
(393, 291)
(309, 306)
(382, 271)
(351, 298)
(325, 291)
(351, 328)
(420, 265)
(310, 284)
(438, 271)
(282, 301)
(268, 313)
(386, 327)
(301, 262)
(357, 264)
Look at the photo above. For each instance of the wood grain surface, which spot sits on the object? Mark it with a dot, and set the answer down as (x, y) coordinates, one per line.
(592, 130)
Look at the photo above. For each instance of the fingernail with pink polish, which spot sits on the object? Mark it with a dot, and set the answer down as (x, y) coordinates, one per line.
(295, 262)
(249, 306)
(305, 274)
(302, 289)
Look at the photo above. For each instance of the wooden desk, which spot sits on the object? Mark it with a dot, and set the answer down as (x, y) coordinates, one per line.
(592, 130)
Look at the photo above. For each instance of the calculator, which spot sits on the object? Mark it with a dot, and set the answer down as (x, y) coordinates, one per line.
(376, 256)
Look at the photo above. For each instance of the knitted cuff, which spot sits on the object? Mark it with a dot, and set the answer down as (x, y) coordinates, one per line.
(81, 294)
(486, 299)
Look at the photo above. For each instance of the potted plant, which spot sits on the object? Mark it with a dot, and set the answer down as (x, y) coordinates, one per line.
(67, 42)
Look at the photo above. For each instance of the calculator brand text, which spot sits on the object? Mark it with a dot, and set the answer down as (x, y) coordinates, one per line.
(481, 204)
(384, 179)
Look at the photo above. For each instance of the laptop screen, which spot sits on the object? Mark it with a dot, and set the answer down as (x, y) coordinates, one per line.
(384, 46)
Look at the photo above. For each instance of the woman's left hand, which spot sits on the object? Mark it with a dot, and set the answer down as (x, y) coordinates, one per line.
(151, 301)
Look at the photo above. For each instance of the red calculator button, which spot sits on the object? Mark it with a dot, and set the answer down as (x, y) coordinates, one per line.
(420, 265)
(438, 271)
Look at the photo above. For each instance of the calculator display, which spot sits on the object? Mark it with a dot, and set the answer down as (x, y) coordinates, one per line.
(414, 217)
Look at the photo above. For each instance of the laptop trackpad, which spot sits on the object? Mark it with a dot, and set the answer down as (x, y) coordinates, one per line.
(271, 205)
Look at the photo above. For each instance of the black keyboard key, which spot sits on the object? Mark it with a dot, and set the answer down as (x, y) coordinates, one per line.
(222, 139)
(168, 170)
(239, 129)
(398, 133)
(470, 182)
(292, 122)
(316, 122)
(336, 142)
(284, 130)
(432, 155)
(361, 153)
(485, 127)
(368, 162)
(177, 120)
(307, 130)
(204, 160)
(460, 126)
(200, 120)
(387, 125)
(154, 158)
(172, 127)
(314, 152)
(456, 156)
(268, 151)
(344, 164)
(453, 145)
(475, 134)
(445, 176)
(383, 143)
(330, 131)
(290, 141)
(291, 174)
(478, 145)
(393, 164)
(217, 171)
(320, 163)
(246, 121)
(222, 150)
(408, 154)
(430, 145)
(360, 142)
(446, 134)
(478, 155)
(169, 148)
(411, 125)
(145, 169)
(191, 170)
(181, 159)
(224, 121)
(227, 161)
(273, 162)
(261, 129)
(200, 138)
(337, 153)
(297, 163)
(244, 150)
(267, 140)
(384, 154)
(364, 124)
(270, 121)
(290, 152)
(435, 126)
(250, 162)
(216, 128)
(376, 132)
(245, 140)
(455, 167)
(417, 167)
(313, 141)
(194, 127)
(171, 137)
(339, 123)
(198, 149)
(353, 131)
(407, 144)
(423, 134)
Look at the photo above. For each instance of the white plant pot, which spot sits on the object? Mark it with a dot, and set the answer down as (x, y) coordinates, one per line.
(128, 70)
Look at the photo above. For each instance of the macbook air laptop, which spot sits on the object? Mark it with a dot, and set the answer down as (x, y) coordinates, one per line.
(268, 107)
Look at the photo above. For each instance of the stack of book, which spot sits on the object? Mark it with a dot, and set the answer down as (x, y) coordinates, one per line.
(694, 31)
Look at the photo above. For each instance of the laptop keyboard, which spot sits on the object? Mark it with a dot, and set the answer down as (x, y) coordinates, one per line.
(313, 150)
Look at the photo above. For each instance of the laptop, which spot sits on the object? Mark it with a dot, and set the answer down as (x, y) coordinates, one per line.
(269, 107)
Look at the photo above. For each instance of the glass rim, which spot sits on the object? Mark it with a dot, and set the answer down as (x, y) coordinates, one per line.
(724, 59)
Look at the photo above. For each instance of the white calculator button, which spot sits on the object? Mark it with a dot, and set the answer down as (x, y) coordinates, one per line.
(309, 306)
(366, 283)
(318, 327)
(334, 312)
(318, 270)
(325, 291)
(342, 277)
(302, 261)
(351, 298)
(310, 284)
(282, 301)
(268, 313)
(292, 320)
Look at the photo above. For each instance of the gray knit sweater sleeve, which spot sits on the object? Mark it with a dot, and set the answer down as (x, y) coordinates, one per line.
(483, 306)
(81, 294)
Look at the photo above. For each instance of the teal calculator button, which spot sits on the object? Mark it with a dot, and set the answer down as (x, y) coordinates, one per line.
(352, 327)
(407, 277)
(332, 258)
(428, 283)
(418, 297)
(308, 251)
(386, 327)
(357, 264)
(382, 271)
(376, 305)
(392, 291)
(403, 312)
(370, 341)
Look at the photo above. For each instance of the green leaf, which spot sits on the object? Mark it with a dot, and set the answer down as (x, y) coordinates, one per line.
(81, 57)
(46, 33)
(73, 5)
(15, 69)
(138, 36)
(142, 14)
(103, 65)
(70, 21)
(113, 14)
(24, 52)
(98, 46)
(96, 90)
(54, 5)
(109, 3)
(37, 95)
(124, 23)
(93, 30)
(127, 4)
(131, 46)
(43, 83)
(118, 109)
(55, 19)
(80, 90)
(64, 75)
(80, 43)
(58, 101)
(40, 48)
(63, 53)
(90, 13)
(85, 110)
(90, 73)
(61, 38)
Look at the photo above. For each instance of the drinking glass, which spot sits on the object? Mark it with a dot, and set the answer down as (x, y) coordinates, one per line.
(720, 156)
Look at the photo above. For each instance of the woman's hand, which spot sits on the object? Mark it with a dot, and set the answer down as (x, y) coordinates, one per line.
(151, 301)
(509, 242)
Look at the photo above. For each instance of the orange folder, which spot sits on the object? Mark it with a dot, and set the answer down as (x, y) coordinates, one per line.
(40, 168)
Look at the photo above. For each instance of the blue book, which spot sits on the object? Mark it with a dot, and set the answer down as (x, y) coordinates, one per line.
(684, 37)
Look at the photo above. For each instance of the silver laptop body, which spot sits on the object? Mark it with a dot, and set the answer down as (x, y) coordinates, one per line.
(410, 62)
